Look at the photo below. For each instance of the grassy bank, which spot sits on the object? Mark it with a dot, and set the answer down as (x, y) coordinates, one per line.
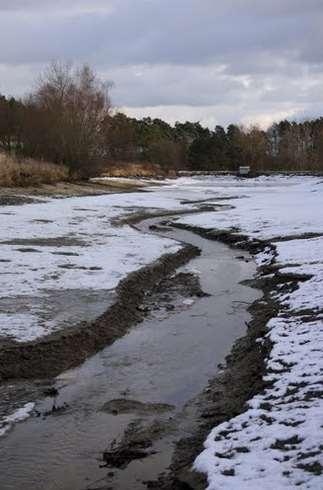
(137, 169)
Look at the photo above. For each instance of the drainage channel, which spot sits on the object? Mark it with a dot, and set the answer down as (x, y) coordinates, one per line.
(132, 394)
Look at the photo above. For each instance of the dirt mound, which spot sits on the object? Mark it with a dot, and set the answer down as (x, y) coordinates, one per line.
(122, 405)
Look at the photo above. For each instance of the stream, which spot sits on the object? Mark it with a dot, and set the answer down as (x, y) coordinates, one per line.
(139, 385)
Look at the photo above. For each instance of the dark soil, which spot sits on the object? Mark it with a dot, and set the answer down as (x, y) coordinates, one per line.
(14, 196)
(141, 214)
(47, 242)
(137, 442)
(123, 405)
(16, 200)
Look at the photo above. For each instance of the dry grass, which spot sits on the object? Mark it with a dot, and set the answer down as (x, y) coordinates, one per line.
(28, 172)
(134, 169)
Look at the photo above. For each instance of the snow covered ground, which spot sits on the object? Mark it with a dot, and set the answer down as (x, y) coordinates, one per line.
(278, 442)
(270, 206)
(19, 415)
(61, 259)
(68, 251)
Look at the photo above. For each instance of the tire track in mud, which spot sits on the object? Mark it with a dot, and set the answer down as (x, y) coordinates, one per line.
(68, 348)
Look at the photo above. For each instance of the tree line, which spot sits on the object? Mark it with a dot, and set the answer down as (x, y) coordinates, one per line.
(68, 119)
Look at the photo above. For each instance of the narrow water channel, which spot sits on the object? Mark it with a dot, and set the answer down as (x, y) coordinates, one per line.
(168, 359)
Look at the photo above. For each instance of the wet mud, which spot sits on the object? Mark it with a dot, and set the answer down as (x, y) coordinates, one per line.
(16, 196)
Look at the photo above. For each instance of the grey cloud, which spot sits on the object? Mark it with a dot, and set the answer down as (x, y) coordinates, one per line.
(238, 56)
(58, 5)
(181, 85)
(168, 31)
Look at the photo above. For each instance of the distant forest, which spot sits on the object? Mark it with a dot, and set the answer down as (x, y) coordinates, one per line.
(68, 119)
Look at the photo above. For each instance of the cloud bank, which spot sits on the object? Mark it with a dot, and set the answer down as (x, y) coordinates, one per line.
(213, 61)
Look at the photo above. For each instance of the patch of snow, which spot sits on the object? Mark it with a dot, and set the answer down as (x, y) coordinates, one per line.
(301, 251)
(19, 415)
(303, 256)
(265, 257)
(21, 327)
(309, 294)
(188, 302)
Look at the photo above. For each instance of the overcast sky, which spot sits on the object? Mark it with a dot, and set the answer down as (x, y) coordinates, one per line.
(216, 61)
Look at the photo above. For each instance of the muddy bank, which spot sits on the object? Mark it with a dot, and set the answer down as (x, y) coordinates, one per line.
(68, 348)
(232, 238)
(13, 196)
(140, 215)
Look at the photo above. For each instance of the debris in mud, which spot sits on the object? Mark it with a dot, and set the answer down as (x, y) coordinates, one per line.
(136, 443)
(55, 410)
(183, 285)
(52, 392)
(168, 293)
(121, 457)
(122, 405)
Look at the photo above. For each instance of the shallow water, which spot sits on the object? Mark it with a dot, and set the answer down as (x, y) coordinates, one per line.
(166, 359)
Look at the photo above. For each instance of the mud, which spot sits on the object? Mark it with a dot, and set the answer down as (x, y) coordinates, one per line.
(14, 196)
(47, 242)
(141, 214)
(137, 442)
(219, 198)
(14, 200)
(123, 405)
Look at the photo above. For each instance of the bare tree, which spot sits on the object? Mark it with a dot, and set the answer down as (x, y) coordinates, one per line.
(72, 105)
